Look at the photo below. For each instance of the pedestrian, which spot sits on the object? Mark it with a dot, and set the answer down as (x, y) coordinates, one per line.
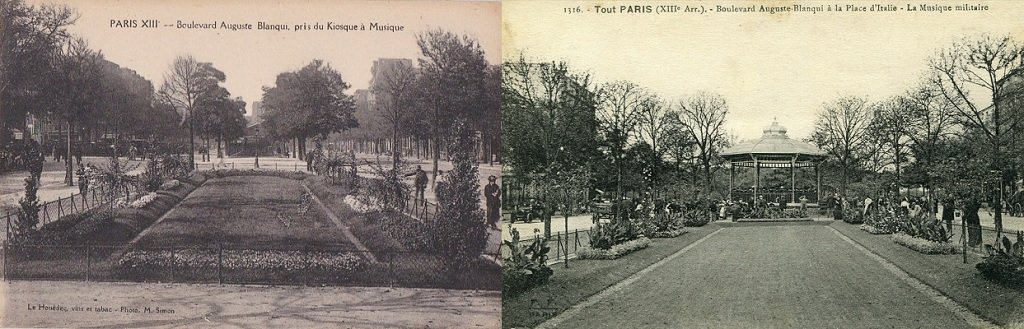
(803, 203)
(837, 207)
(492, 192)
(420, 183)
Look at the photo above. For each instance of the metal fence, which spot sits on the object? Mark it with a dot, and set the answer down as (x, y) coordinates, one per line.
(224, 264)
(53, 211)
(977, 237)
(560, 244)
(294, 166)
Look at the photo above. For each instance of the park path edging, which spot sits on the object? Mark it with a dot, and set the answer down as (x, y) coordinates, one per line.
(337, 221)
(162, 217)
(934, 294)
(590, 301)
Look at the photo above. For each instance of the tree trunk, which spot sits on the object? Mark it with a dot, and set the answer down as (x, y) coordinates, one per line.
(67, 160)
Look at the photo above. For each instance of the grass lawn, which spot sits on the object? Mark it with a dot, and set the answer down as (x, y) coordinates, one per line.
(947, 273)
(246, 211)
(583, 278)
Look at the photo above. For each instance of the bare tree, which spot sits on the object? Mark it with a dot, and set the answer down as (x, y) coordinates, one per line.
(184, 83)
(703, 116)
(890, 126)
(653, 120)
(618, 116)
(987, 63)
(392, 88)
(842, 129)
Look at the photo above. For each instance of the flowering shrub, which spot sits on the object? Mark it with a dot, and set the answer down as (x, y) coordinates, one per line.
(615, 251)
(923, 245)
(883, 223)
(696, 218)
(923, 226)
(1005, 262)
(143, 201)
(171, 184)
(873, 230)
(605, 235)
(358, 206)
(525, 268)
(260, 260)
(668, 234)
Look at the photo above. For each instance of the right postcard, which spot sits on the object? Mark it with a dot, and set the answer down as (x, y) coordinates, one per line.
(763, 164)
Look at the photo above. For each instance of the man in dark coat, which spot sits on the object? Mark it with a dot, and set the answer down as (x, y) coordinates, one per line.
(420, 182)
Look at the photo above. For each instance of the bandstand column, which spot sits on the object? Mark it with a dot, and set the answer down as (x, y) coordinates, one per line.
(757, 179)
(792, 180)
(817, 178)
(732, 177)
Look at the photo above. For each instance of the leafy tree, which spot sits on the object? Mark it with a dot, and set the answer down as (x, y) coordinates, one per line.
(891, 126)
(989, 63)
(454, 72)
(74, 87)
(308, 102)
(393, 89)
(30, 39)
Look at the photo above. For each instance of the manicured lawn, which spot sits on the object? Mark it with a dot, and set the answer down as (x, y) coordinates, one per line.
(947, 273)
(583, 278)
(258, 211)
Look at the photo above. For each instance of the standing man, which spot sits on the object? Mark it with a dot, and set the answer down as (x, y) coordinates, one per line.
(493, 194)
(421, 183)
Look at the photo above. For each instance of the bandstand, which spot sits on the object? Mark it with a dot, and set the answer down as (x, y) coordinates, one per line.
(774, 150)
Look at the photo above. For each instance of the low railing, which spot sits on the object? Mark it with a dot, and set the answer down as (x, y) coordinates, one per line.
(235, 264)
(53, 211)
(561, 244)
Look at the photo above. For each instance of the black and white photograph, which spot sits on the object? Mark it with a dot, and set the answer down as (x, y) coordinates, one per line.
(762, 164)
(237, 164)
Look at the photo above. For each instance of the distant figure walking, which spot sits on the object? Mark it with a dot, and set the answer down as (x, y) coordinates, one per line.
(493, 194)
(421, 184)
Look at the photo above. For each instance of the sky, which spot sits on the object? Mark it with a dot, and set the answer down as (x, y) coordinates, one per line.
(766, 66)
(252, 59)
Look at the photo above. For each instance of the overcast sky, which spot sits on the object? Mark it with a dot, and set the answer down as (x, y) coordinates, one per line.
(765, 66)
(252, 59)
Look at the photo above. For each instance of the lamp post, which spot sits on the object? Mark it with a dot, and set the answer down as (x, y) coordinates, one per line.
(257, 142)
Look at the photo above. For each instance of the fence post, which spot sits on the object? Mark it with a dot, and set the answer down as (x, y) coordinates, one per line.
(5, 259)
(220, 263)
(391, 269)
(60, 208)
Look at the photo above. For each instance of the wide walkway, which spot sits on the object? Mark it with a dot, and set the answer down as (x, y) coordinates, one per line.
(123, 305)
(793, 276)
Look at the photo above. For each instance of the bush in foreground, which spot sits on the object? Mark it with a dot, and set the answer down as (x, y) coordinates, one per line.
(615, 251)
(924, 246)
(524, 268)
(1005, 263)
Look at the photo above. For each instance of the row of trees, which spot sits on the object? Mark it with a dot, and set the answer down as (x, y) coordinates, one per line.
(452, 79)
(558, 123)
(956, 131)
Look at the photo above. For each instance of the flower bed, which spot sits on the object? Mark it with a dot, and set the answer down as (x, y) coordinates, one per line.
(873, 230)
(353, 202)
(924, 246)
(143, 201)
(615, 251)
(261, 260)
(171, 184)
(668, 233)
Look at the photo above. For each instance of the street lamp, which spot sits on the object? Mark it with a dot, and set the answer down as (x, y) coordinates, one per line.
(257, 142)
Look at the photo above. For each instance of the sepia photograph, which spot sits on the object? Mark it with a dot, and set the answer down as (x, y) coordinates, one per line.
(236, 164)
(748, 164)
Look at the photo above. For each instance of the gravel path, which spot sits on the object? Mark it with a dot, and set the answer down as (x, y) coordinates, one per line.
(801, 276)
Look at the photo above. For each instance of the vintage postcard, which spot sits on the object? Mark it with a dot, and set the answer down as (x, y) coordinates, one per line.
(763, 164)
(308, 164)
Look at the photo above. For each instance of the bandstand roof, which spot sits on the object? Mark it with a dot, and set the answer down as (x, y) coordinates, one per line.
(774, 145)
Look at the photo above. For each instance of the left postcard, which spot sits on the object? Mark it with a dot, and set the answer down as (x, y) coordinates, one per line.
(257, 164)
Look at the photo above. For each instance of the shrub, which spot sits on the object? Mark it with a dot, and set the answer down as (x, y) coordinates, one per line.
(668, 233)
(853, 215)
(524, 268)
(28, 210)
(696, 218)
(605, 235)
(151, 179)
(883, 223)
(409, 232)
(136, 262)
(615, 251)
(873, 230)
(459, 229)
(924, 246)
(923, 226)
(1005, 263)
